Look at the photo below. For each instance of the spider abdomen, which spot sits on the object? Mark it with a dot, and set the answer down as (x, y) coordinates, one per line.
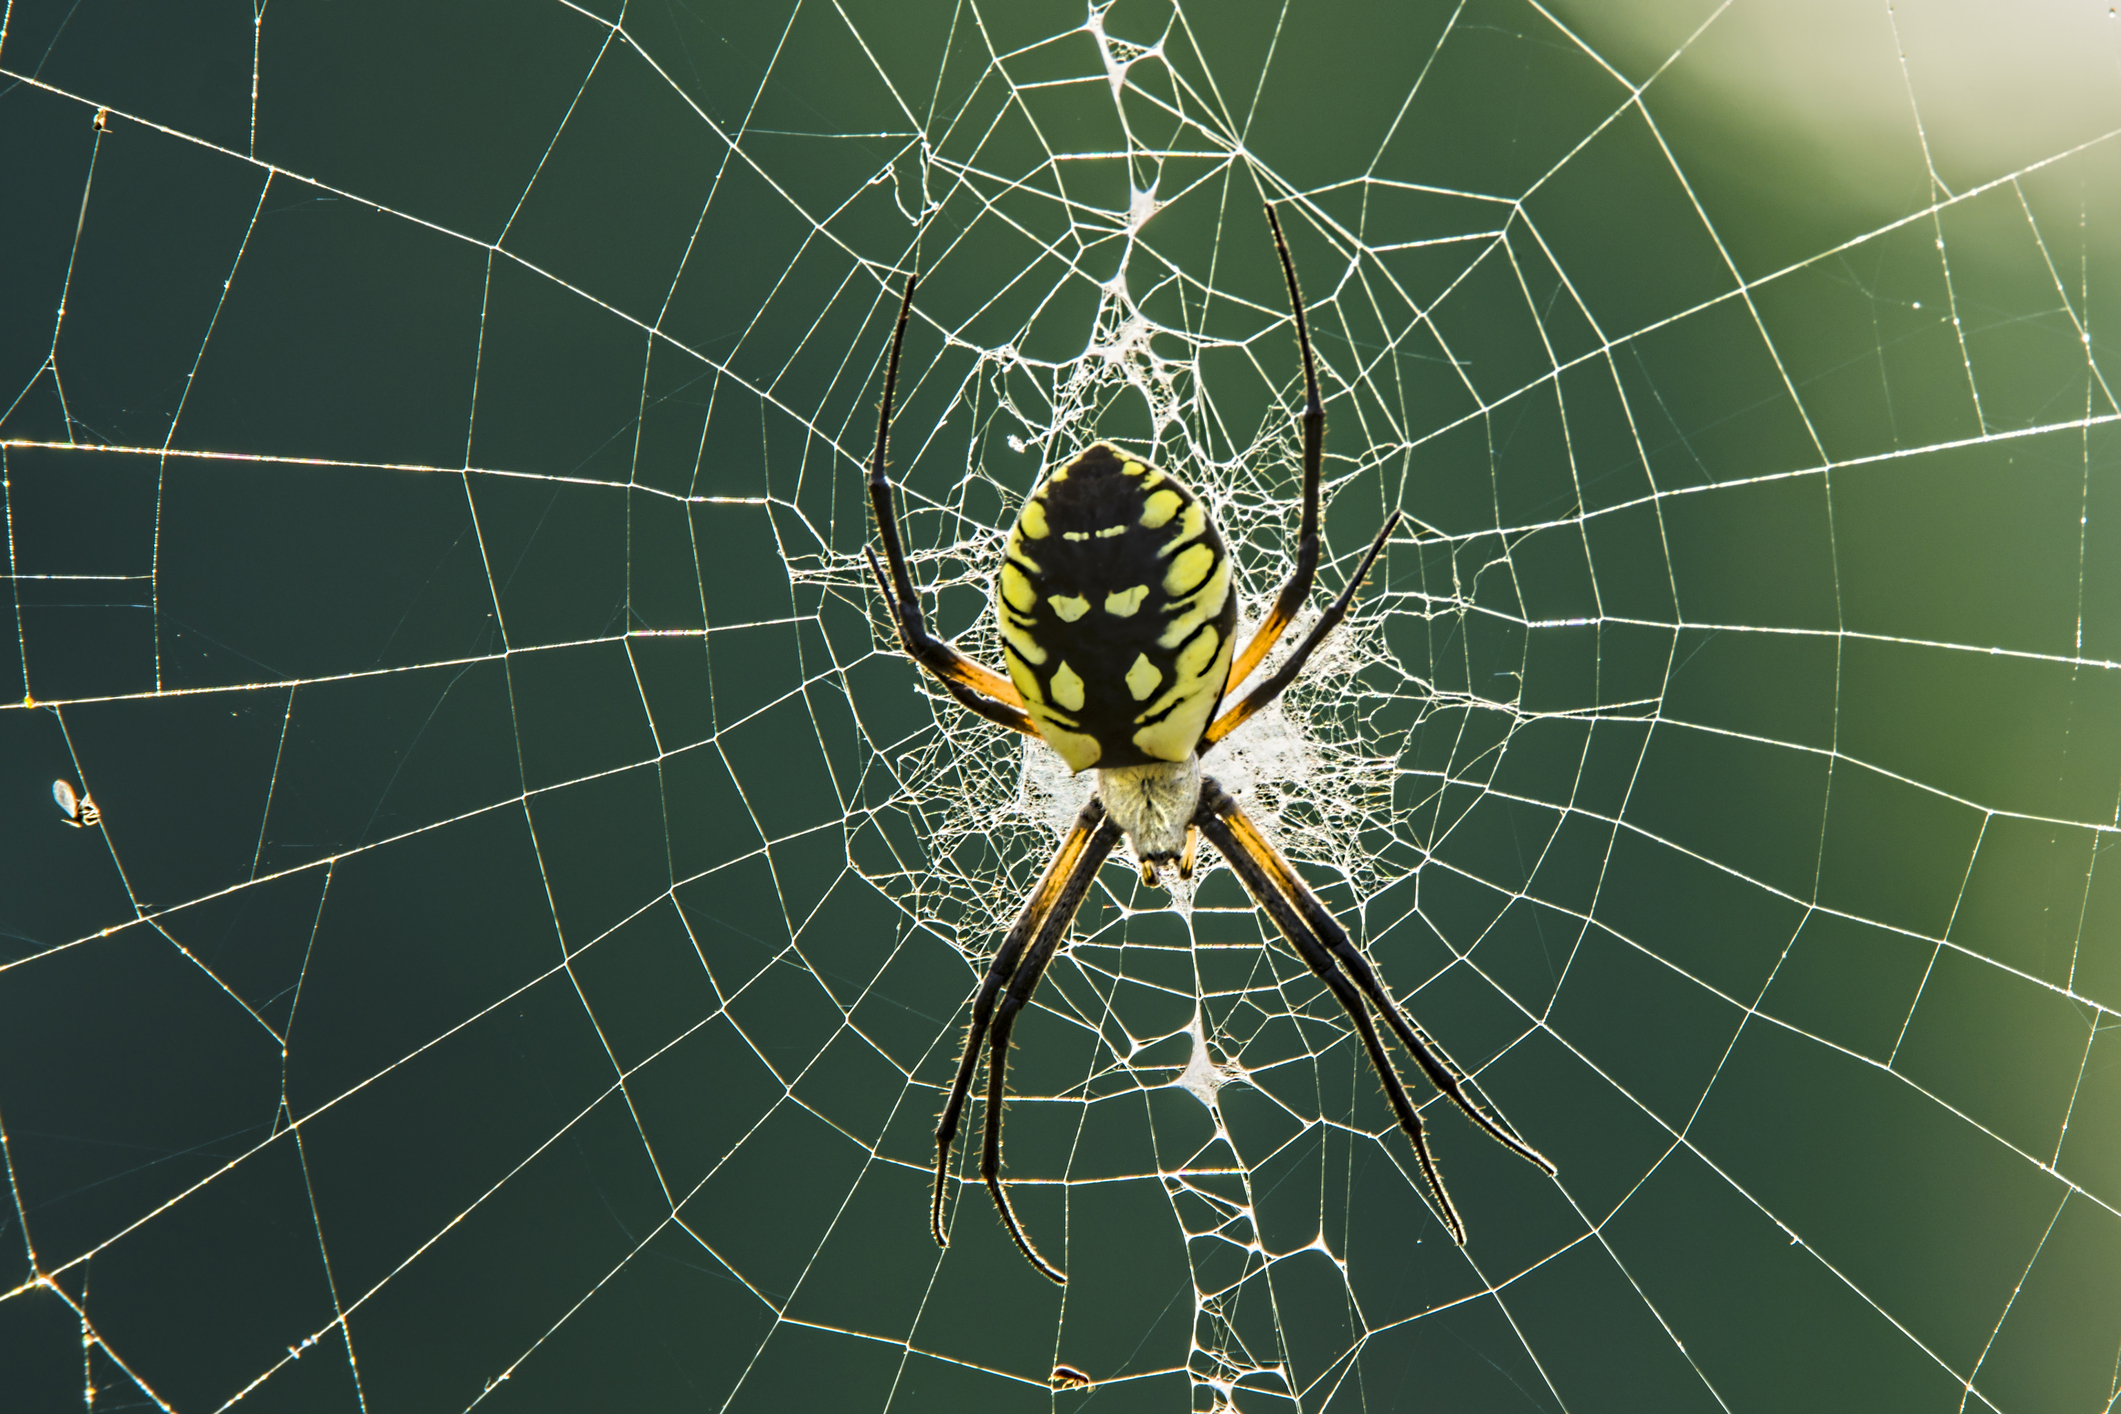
(1116, 611)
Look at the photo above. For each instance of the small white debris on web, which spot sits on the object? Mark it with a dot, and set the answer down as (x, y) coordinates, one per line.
(1202, 1076)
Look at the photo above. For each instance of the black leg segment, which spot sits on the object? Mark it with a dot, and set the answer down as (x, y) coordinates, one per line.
(1326, 950)
(979, 688)
(1018, 965)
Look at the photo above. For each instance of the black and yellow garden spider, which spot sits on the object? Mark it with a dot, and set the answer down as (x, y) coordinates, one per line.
(1118, 626)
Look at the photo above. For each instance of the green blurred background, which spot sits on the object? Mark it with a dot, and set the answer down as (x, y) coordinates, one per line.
(535, 908)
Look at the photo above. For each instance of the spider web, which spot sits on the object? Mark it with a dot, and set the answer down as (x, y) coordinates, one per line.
(534, 905)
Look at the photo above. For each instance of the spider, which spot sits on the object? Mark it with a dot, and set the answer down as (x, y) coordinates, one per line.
(1118, 626)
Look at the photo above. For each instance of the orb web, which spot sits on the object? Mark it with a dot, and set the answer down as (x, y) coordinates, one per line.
(531, 909)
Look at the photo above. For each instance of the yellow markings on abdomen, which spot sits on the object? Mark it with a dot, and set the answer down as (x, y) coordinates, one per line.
(1207, 604)
(1022, 644)
(1067, 688)
(1070, 607)
(1190, 527)
(1158, 509)
(1191, 665)
(1017, 590)
(1079, 749)
(1143, 677)
(1194, 661)
(1026, 681)
(1189, 569)
(1173, 738)
(1033, 519)
(1123, 604)
(1017, 552)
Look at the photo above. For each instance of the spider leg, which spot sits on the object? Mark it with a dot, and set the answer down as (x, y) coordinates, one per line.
(1292, 594)
(975, 686)
(1326, 949)
(1040, 927)
(1267, 691)
(1443, 1072)
(967, 696)
(1020, 988)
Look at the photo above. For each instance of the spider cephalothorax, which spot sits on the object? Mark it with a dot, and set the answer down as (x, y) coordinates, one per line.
(1118, 621)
